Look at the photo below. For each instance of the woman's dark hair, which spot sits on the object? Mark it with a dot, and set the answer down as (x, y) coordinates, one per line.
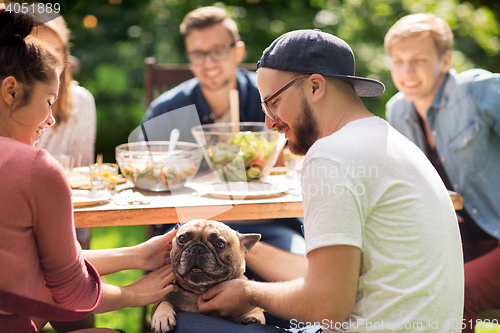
(28, 60)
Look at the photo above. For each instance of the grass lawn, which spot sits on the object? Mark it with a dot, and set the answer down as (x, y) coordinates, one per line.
(127, 319)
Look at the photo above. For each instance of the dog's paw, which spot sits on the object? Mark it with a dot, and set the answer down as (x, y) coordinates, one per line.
(164, 319)
(250, 320)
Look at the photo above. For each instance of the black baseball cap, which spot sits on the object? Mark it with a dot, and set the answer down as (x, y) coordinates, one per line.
(317, 52)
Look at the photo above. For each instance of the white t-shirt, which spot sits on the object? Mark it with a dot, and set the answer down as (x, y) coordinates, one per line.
(368, 186)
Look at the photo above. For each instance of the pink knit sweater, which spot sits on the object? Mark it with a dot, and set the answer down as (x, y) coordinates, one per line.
(37, 233)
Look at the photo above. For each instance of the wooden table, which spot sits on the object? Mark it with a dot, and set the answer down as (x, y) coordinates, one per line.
(186, 204)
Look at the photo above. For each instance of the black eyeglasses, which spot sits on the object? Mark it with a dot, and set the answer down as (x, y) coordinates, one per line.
(217, 54)
(264, 103)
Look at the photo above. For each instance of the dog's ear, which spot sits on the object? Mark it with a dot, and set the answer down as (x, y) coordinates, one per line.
(247, 241)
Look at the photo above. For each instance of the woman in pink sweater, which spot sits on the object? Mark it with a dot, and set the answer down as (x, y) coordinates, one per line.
(39, 255)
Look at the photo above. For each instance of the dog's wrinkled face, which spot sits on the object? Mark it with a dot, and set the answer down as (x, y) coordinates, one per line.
(205, 253)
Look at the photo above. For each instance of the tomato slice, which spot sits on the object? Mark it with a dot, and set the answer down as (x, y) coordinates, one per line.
(257, 162)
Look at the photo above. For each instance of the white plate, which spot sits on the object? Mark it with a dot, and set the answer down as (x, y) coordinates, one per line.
(242, 191)
(83, 198)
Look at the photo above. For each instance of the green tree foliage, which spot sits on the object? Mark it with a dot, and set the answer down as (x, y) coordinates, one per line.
(112, 53)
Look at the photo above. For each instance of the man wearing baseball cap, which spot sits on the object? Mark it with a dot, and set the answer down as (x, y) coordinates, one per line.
(383, 248)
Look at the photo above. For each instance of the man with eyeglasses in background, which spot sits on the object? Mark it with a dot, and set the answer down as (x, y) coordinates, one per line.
(214, 50)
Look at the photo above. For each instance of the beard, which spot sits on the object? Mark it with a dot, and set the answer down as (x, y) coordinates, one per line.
(306, 131)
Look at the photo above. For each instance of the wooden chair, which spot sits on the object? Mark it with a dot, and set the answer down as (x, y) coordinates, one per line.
(157, 79)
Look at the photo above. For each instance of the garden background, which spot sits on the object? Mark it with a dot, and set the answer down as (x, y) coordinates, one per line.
(111, 38)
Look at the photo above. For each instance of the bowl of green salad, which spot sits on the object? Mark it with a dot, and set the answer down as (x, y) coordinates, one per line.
(241, 152)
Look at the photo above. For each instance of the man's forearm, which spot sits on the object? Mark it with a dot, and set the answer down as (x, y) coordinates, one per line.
(327, 291)
(273, 264)
(276, 298)
(295, 300)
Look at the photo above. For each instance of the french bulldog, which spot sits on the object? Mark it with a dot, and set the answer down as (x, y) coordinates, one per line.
(204, 254)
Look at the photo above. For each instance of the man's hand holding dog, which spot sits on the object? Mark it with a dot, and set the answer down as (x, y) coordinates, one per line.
(229, 298)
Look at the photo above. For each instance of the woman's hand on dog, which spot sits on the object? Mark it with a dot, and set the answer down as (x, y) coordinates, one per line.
(152, 287)
(147, 256)
(146, 290)
(152, 253)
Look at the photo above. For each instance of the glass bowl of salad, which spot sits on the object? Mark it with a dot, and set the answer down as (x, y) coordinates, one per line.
(245, 152)
(151, 166)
